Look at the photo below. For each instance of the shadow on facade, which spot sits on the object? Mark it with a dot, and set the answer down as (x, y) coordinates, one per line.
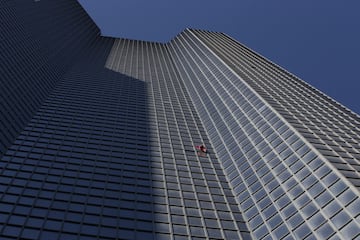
(81, 168)
(40, 40)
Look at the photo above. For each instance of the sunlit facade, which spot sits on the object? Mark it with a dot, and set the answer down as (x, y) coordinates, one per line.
(98, 138)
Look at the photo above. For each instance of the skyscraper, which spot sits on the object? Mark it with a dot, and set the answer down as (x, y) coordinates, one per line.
(99, 135)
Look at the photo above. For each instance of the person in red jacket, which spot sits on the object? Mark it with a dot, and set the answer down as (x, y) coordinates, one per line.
(202, 151)
(203, 148)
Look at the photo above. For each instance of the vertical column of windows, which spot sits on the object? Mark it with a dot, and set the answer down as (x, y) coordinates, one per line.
(163, 207)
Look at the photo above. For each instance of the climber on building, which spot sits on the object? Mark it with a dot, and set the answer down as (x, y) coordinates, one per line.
(202, 151)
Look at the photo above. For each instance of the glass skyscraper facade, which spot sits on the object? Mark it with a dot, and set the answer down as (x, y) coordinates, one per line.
(98, 137)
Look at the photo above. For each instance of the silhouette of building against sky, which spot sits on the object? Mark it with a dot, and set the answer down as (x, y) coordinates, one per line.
(98, 137)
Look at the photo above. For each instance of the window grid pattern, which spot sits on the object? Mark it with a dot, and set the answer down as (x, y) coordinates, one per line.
(98, 135)
(270, 168)
(195, 197)
(81, 169)
(31, 61)
(328, 126)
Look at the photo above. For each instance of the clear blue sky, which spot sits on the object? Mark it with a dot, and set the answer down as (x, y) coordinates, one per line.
(317, 40)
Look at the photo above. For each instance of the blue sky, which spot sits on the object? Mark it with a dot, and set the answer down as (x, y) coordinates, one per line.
(317, 40)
